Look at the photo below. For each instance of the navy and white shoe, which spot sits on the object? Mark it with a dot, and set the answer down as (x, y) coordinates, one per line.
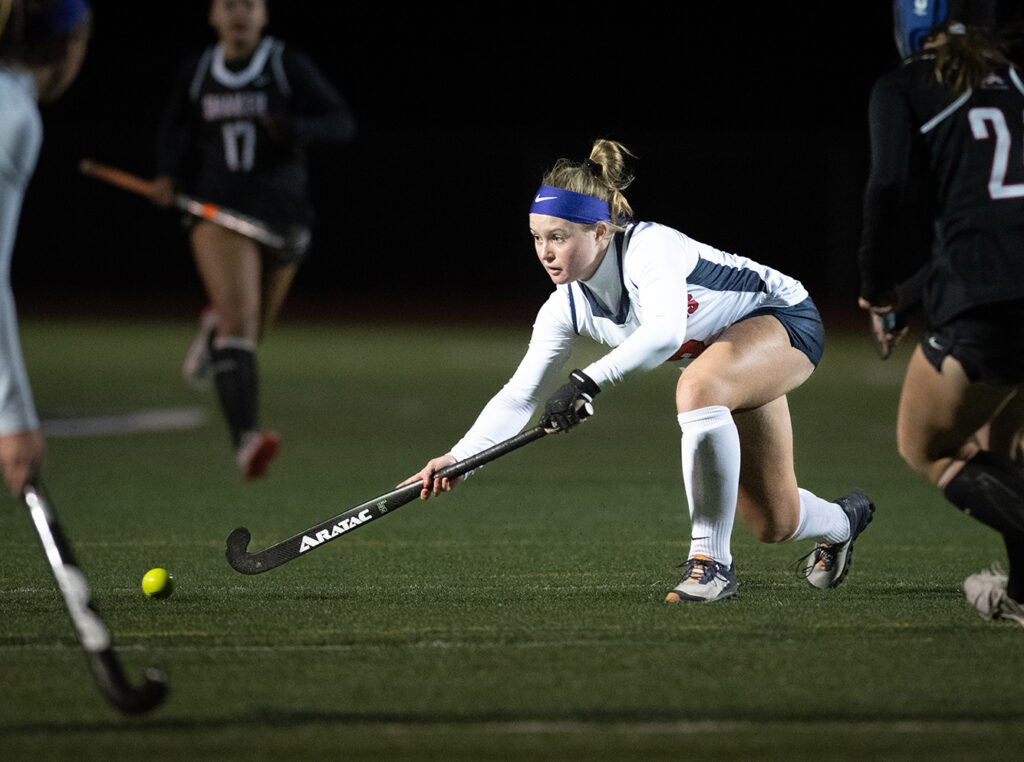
(704, 580)
(828, 564)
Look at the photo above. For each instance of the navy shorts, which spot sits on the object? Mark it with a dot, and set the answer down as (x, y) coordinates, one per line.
(988, 342)
(803, 324)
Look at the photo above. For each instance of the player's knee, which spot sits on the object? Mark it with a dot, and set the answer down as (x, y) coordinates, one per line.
(921, 461)
(238, 323)
(770, 526)
(774, 532)
(698, 390)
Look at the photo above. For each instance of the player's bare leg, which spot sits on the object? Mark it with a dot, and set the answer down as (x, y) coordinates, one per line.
(1004, 434)
(732, 399)
(276, 285)
(768, 499)
(231, 267)
(940, 412)
(749, 370)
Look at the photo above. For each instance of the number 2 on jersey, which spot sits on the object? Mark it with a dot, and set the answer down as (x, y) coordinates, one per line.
(980, 118)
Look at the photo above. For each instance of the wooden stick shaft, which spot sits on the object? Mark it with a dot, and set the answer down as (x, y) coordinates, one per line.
(125, 180)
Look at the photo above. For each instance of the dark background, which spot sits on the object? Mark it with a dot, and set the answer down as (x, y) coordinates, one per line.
(749, 123)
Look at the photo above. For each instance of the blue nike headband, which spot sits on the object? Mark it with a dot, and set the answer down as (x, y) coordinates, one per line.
(569, 205)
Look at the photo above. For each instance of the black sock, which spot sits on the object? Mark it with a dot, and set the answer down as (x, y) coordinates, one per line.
(990, 488)
(236, 379)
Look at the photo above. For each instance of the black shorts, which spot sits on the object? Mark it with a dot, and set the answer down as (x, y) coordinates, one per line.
(988, 342)
(298, 239)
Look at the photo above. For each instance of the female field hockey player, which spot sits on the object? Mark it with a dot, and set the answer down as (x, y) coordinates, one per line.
(234, 132)
(743, 334)
(42, 46)
(951, 119)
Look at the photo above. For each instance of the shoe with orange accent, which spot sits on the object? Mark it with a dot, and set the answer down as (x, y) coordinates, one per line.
(986, 591)
(704, 579)
(258, 449)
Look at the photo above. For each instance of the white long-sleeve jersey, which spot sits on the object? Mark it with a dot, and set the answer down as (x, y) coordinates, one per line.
(665, 299)
(21, 136)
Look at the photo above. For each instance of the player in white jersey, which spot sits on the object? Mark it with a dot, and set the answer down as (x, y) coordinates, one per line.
(743, 334)
(42, 45)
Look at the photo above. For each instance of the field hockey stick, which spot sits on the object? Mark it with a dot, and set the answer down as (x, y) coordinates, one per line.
(882, 327)
(316, 537)
(226, 218)
(93, 634)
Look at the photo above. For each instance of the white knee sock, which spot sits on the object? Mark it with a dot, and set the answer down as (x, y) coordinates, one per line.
(820, 520)
(711, 473)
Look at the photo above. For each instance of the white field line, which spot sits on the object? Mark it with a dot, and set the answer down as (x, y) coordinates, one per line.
(171, 419)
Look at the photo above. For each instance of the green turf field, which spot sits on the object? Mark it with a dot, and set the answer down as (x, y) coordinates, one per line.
(520, 617)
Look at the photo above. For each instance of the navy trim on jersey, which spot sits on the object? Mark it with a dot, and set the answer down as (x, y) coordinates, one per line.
(718, 277)
(599, 309)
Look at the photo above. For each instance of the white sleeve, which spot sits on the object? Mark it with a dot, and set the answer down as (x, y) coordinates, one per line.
(17, 409)
(658, 267)
(511, 409)
(20, 138)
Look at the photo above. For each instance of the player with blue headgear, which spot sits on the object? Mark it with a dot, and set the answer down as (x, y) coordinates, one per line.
(914, 21)
(945, 196)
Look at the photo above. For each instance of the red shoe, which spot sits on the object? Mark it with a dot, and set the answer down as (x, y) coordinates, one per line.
(258, 449)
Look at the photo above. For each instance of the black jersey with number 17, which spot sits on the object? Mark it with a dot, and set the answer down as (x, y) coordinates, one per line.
(234, 132)
(967, 153)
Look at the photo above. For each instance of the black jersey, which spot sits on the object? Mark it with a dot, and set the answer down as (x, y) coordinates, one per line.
(234, 132)
(959, 163)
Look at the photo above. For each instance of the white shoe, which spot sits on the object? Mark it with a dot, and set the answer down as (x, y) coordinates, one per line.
(197, 370)
(986, 591)
(704, 580)
(829, 563)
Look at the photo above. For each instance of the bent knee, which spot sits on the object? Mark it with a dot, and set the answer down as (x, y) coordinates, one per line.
(695, 391)
(773, 534)
(931, 466)
(771, 527)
